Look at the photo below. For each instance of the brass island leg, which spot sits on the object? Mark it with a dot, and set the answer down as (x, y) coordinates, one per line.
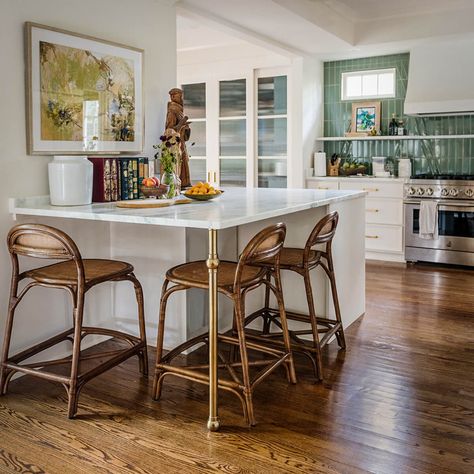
(212, 263)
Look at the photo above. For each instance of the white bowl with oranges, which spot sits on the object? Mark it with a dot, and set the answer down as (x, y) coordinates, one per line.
(202, 192)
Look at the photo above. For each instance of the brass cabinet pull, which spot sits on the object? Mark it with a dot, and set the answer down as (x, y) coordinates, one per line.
(371, 236)
(215, 176)
(323, 187)
(372, 210)
(370, 190)
(208, 176)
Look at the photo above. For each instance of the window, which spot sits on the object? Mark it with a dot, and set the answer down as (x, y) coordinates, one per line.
(272, 131)
(375, 84)
(194, 98)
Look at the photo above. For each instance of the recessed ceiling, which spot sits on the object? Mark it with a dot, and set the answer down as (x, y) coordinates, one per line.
(382, 9)
(326, 28)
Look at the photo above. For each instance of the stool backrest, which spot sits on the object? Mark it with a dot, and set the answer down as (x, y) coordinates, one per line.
(264, 246)
(323, 231)
(42, 241)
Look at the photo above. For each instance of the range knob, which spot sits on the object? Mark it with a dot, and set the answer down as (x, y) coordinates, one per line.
(420, 191)
(453, 192)
(411, 191)
(469, 192)
(429, 191)
(444, 192)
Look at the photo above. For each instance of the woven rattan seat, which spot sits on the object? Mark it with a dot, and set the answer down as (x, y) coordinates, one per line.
(235, 280)
(302, 261)
(95, 271)
(197, 274)
(75, 275)
(293, 257)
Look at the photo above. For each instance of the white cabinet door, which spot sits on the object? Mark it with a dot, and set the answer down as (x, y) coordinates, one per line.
(384, 211)
(383, 238)
(322, 184)
(375, 188)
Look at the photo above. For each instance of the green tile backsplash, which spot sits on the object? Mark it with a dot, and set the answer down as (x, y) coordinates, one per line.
(438, 156)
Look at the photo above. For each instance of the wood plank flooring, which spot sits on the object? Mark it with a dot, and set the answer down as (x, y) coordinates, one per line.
(399, 400)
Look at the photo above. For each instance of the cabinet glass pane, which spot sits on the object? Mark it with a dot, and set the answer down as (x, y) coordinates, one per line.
(272, 95)
(198, 137)
(232, 139)
(197, 170)
(194, 99)
(233, 172)
(232, 98)
(272, 136)
(272, 173)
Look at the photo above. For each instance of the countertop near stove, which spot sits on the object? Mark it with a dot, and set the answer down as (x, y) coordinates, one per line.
(358, 178)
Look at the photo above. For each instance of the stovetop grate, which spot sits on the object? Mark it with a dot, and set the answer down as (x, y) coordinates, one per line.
(451, 177)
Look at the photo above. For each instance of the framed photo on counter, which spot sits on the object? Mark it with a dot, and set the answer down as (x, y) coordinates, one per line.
(83, 94)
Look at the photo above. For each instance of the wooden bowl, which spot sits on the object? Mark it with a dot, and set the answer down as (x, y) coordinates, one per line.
(202, 197)
(154, 191)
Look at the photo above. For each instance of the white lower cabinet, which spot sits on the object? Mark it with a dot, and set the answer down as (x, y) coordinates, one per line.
(321, 184)
(383, 213)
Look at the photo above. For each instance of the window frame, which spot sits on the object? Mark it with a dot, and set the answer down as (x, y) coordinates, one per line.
(363, 73)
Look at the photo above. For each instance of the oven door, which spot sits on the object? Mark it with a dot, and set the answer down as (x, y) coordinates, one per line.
(455, 226)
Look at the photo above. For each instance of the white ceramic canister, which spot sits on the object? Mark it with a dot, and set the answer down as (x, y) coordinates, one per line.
(70, 180)
(404, 167)
(320, 165)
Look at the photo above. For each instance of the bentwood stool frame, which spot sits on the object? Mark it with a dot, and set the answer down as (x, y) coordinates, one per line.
(302, 261)
(234, 280)
(76, 276)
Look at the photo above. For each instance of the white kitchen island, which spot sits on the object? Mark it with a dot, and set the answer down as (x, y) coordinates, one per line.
(153, 240)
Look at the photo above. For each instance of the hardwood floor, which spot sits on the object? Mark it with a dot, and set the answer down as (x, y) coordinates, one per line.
(399, 400)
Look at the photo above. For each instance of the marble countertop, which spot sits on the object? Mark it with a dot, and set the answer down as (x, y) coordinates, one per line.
(357, 178)
(235, 207)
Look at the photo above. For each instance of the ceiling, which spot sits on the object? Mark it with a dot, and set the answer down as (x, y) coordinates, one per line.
(328, 29)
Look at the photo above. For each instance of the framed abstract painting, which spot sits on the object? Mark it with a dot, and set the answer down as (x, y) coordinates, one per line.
(365, 118)
(84, 95)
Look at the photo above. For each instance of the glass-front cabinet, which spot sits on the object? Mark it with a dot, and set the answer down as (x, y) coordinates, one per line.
(272, 136)
(239, 129)
(195, 109)
(233, 132)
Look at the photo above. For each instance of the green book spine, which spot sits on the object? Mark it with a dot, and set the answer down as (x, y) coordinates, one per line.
(124, 178)
(130, 178)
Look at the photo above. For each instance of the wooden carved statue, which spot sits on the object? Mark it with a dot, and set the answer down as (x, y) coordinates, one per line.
(176, 120)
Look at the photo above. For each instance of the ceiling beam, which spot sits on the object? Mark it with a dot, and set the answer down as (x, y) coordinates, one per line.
(216, 22)
(320, 14)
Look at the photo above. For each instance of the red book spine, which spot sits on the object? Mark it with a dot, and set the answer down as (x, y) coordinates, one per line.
(101, 187)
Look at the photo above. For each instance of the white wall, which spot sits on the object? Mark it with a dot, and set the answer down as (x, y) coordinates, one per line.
(146, 24)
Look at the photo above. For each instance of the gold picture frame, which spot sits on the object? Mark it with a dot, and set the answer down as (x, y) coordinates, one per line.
(84, 95)
(365, 117)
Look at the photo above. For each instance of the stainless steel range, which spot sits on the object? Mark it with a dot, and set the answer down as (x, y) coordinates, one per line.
(455, 198)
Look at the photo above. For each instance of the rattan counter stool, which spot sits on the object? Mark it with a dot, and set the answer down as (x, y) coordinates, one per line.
(235, 280)
(76, 276)
(302, 261)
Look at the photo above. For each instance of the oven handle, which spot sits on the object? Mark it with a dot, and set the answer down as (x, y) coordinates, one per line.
(445, 205)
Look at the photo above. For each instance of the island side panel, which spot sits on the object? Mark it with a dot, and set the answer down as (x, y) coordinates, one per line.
(349, 259)
(299, 225)
(197, 301)
(152, 250)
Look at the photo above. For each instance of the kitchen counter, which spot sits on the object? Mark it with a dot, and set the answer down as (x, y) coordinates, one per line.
(237, 206)
(357, 178)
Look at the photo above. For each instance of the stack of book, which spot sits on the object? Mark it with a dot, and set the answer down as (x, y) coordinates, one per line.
(118, 178)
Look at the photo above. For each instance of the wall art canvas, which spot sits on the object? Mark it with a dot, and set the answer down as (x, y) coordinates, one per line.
(365, 117)
(84, 95)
